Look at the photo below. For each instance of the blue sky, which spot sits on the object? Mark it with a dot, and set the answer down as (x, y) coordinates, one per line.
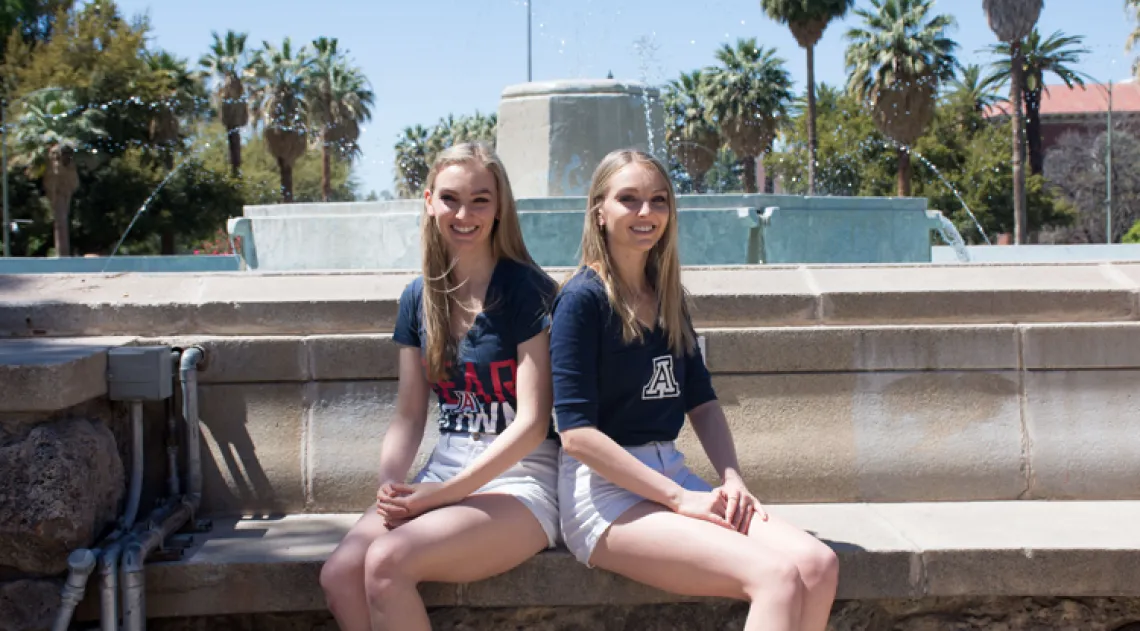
(428, 58)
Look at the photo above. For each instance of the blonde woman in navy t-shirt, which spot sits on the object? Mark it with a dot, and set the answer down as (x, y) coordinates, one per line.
(473, 330)
(627, 369)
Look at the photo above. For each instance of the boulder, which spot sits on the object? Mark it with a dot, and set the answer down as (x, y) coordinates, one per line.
(28, 605)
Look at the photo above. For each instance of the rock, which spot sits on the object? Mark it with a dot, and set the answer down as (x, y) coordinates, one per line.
(59, 487)
(28, 605)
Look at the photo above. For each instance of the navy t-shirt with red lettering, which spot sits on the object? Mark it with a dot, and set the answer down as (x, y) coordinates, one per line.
(634, 393)
(480, 393)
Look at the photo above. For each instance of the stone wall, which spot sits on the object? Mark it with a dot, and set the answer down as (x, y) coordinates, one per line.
(62, 473)
(932, 614)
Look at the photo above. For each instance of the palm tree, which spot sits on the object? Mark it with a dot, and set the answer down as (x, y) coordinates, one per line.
(182, 91)
(1133, 8)
(748, 95)
(412, 163)
(807, 20)
(974, 90)
(51, 136)
(1012, 21)
(226, 64)
(340, 102)
(1056, 54)
(896, 63)
(281, 79)
(688, 131)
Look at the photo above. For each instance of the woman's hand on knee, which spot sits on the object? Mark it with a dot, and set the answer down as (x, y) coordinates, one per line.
(741, 506)
(709, 506)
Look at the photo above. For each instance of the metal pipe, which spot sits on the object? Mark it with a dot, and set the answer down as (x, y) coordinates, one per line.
(134, 561)
(132, 574)
(4, 166)
(135, 493)
(188, 376)
(109, 587)
(80, 563)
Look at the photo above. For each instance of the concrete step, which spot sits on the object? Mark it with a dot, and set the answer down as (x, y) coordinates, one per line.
(365, 302)
(1018, 548)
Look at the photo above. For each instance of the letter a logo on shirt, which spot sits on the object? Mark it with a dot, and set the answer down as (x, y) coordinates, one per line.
(663, 384)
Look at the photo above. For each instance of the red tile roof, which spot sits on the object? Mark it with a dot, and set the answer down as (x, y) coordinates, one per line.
(1092, 99)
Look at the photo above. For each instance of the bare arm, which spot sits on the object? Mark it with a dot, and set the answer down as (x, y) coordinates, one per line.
(402, 440)
(716, 438)
(611, 461)
(525, 433)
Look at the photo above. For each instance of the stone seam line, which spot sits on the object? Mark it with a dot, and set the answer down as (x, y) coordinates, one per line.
(1114, 273)
(919, 579)
(1023, 410)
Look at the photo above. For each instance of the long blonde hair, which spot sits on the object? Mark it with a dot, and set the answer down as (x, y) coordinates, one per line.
(506, 241)
(662, 269)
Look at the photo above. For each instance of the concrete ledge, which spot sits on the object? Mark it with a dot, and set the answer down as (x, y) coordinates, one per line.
(348, 303)
(50, 375)
(1074, 549)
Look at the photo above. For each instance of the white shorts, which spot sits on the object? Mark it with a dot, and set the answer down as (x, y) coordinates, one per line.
(589, 503)
(533, 480)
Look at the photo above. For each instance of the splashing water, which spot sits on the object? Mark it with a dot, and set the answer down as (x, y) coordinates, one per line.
(142, 209)
(928, 163)
(951, 236)
(648, 67)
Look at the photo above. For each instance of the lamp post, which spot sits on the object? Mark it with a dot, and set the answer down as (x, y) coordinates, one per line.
(1108, 172)
(7, 218)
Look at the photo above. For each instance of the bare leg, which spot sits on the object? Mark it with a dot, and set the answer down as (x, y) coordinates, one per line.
(709, 561)
(816, 562)
(342, 576)
(480, 537)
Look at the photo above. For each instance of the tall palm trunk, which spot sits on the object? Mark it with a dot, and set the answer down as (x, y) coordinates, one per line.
(749, 163)
(60, 206)
(326, 166)
(813, 144)
(1017, 72)
(286, 169)
(1033, 131)
(234, 139)
(904, 174)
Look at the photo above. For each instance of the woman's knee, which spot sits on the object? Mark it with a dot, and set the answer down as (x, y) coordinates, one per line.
(343, 569)
(385, 564)
(818, 565)
(774, 578)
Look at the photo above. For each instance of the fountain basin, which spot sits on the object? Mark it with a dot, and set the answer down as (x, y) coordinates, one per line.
(714, 230)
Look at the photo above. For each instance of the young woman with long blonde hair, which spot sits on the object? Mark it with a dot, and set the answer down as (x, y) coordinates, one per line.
(473, 329)
(627, 369)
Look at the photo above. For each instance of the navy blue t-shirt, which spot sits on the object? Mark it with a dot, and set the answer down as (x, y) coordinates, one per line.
(634, 393)
(479, 394)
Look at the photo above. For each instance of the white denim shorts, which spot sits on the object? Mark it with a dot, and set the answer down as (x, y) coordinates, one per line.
(589, 503)
(533, 480)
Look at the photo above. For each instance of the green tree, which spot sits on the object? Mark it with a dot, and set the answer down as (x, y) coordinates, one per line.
(1012, 21)
(53, 134)
(226, 64)
(747, 95)
(690, 135)
(340, 103)
(281, 93)
(808, 19)
(1133, 234)
(896, 63)
(411, 165)
(974, 90)
(1057, 55)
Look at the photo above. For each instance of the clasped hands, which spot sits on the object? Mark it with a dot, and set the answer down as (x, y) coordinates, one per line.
(730, 505)
(397, 502)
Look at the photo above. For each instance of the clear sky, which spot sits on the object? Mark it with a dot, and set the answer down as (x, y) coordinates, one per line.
(428, 58)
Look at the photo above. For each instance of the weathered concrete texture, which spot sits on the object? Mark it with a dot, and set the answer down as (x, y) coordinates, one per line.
(1095, 346)
(28, 605)
(874, 436)
(49, 375)
(928, 614)
(893, 551)
(59, 487)
(347, 422)
(253, 448)
(348, 303)
(1081, 428)
(552, 134)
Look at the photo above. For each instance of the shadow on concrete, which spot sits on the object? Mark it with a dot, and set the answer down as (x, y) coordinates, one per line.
(234, 481)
